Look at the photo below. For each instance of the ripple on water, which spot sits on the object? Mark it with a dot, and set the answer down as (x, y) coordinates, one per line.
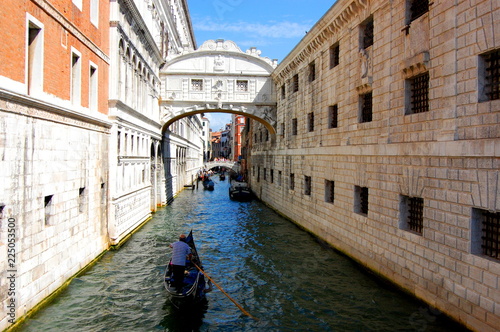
(276, 271)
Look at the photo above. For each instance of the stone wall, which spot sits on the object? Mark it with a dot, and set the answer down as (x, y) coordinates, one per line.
(362, 179)
(54, 188)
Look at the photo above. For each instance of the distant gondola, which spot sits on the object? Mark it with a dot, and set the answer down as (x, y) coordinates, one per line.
(240, 191)
(195, 286)
(208, 184)
(222, 177)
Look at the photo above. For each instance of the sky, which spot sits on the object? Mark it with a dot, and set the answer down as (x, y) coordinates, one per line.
(274, 27)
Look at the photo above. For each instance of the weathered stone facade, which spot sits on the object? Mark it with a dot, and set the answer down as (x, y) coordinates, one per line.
(54, 143)
(388, 147)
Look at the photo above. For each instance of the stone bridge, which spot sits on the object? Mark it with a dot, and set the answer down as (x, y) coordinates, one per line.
(232, 165)
(219, 77)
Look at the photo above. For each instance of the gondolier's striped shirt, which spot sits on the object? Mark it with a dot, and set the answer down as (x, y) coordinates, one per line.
(179, 253)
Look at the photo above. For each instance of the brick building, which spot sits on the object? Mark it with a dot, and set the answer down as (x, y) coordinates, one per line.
(54, 68)
(388, 146)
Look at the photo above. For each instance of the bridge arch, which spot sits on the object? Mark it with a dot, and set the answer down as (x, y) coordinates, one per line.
(219, 78)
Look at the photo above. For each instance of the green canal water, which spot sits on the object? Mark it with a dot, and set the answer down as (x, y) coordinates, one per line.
(274, 270)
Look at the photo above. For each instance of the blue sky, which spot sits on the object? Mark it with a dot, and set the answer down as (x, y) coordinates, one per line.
(272, 26)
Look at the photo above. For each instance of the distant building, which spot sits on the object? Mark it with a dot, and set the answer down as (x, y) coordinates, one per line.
(238, 125)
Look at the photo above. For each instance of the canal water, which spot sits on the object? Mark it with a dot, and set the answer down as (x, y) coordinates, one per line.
(277, 272)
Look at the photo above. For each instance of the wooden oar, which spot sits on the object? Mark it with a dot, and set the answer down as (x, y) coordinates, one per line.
(224, 292)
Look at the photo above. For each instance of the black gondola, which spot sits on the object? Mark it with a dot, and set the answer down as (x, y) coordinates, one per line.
(208, 184)
(240, 191)
(195, 285)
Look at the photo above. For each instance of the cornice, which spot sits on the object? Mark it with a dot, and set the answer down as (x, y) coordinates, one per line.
(68, 25)
(313, 41)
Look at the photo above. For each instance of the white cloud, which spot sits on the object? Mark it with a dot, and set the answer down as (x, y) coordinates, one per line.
(271, 30)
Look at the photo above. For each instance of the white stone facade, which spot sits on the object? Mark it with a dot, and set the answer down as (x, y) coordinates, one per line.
(358, 163)
(143, 34)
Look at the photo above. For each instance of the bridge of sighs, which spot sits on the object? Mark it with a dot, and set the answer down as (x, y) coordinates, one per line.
(219, 77)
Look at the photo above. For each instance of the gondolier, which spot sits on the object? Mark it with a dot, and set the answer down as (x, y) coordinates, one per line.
(180, 252)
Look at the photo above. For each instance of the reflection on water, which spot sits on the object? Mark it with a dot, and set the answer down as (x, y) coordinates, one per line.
(274, 270)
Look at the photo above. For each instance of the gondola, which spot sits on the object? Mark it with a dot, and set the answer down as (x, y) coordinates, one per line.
(208, 184)
(240, 191)
(195, 286)
(222, 177)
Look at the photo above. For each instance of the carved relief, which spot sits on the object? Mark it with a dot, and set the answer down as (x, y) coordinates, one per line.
(411, 183)
(219, 63)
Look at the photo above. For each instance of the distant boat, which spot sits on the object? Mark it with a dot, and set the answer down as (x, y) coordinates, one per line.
(240, 191)
(195, 286)
(208, 184)
(222, 177)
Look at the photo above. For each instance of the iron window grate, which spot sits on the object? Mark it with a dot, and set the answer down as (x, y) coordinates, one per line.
(295, 83)
(415, 214)
(312, 72)
(333, 116)
(366, 107)
(310, 121)
(294, 126)
(420, 93)
(307, 185)
(493, 75)
(418, 8)
(363, 200)
(491, 234)
(334, 56)
(368, 34)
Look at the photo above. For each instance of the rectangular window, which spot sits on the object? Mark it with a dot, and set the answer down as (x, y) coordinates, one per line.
(76, 72)
(196, 85)
(334, 55)
(241, 86)
(418, 94)
(93, 84)
(490, 76)
(283, 91)
(361, 200)
(418, 8)
(365, 107)
(272, 175)
(294, 126)
(367, 33)
(94, 12)
(283, 129)
(312, 71)
(333, 113)
(485, 233)
(35, 57)
(49, 206)
(295, 83)
(307, 185)
(329, 191)
(265, 174)
(411, 210)
(310, 122)
(279, 178)
(258, 174)
(292, 181)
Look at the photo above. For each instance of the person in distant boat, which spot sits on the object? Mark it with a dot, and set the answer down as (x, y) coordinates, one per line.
(181, 251)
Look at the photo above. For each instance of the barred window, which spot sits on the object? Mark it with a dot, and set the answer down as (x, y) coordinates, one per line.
(418, 8)
(312, 71)
(334, 55)
(292, 181)
(486, 233)
(329, 191)
(294, 126)
(492, 75)
(307, 185)
(333, 113)
(366, 107)
(361, 200)
(196, 85)
(279, 178)
(283, 92)
(241, 86)
(295, 83)
(412, 213)
(310, 121)
(283, 129)
(265, 174)
(258, 174)
(419, 94)
(367, 33)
